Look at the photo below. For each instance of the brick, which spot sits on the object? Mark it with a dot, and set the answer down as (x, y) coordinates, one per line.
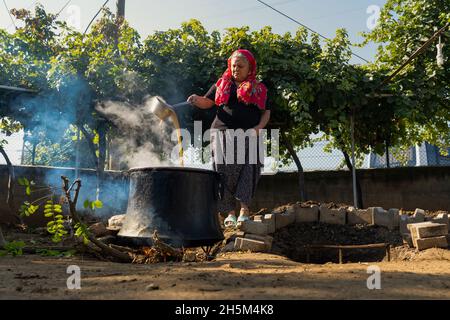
(238, 243)
(406, 220)
(383, 217)
(437, 242)
(240, 234)
(250, 245)
(269, 220)
(232, 237)
(419, 215)
(333, 216)
(396, 213)
(442, 218)
(254, 227)
(268, 240)
(428, 230)
(229, 247)
(358, 216)
(258, 218)
(307, 214)
(284, 219)
(291, 209)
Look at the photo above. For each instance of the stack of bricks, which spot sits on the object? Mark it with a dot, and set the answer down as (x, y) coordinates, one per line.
(254, 234)
(427, 235)
(333, 216)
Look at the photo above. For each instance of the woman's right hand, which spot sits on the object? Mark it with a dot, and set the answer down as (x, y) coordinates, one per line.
(200, 102)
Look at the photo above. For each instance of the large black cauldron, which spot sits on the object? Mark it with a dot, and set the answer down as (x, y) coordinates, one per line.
(180, 203)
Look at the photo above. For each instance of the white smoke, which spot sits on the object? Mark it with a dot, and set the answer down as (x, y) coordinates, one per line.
(142, 139)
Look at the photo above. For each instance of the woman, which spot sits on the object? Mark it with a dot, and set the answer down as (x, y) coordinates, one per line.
(241, 104)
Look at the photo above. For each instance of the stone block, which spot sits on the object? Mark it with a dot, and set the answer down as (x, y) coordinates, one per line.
(268, 240)
(428, 230)
(383, 217)
(333, 216)
(419, 215)
(405, 220)
(427, 243)
(284, 219)
(442, 218)
(229, 247)
(258, 218)
(269, 220)
(233, 236)
(358, 216)
(396, 214)
(303, 215)
(254, 227)
(246, 244)
(291, 209)
(238, 243)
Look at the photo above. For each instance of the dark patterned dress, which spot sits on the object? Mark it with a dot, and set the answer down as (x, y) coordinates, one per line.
(240, 172)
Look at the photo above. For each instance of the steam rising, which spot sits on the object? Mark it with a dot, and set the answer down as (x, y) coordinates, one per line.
(141, 139)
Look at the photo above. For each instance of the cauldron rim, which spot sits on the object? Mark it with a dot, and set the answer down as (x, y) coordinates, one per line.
(177, 169)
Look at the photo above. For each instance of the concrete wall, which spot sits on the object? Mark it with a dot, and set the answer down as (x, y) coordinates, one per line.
(114, 194)
(407, 188)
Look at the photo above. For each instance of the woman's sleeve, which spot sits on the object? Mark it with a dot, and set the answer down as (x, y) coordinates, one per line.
(211, 94)
(268, 106)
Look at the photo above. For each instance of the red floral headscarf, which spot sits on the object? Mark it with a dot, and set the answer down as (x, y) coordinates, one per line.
(250, 91)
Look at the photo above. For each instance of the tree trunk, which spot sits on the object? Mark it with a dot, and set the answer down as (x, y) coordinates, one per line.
(91, 145)
(301, 174)
(358, 185)
(100, 161)
(102, 149)
(11, 179)
(102, 157)
(2, 240)
(33, 153)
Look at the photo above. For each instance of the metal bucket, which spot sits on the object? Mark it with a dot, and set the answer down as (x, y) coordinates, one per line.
(160, 108)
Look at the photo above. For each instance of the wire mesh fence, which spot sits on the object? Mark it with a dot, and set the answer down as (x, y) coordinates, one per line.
(315, 159)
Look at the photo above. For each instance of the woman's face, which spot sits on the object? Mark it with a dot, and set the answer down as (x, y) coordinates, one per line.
(240, 68)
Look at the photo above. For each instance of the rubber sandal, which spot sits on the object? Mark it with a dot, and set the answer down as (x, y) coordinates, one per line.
(230, 222)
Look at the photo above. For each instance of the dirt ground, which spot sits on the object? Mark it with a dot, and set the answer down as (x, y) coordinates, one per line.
(424, 275)
(232, 276)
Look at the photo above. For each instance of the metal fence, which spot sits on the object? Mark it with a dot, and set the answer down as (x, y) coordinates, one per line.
(315, 159)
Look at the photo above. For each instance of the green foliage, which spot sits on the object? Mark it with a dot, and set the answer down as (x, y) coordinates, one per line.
(422, 90)
(81, 230)
(54, 212)
(312, 87)
(13, 248)
(97, 204)
(27, 209)
(55, 227)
